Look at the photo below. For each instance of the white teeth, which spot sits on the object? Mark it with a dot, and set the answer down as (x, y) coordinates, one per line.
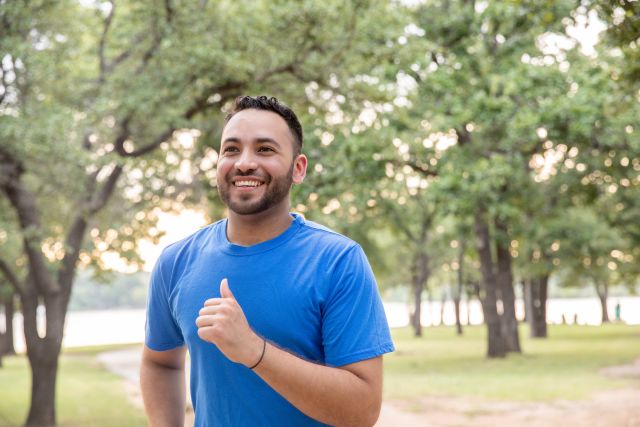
(247, 183)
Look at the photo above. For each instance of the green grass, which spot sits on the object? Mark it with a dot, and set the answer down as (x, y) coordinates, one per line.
(564, 366)
(87, 395)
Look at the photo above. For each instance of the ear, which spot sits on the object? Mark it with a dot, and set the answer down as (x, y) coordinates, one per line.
(299, 169)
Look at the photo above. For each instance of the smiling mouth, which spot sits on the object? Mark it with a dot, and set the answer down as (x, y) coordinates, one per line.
(247, 183)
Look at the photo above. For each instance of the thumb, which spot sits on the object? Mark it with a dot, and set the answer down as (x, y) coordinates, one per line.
(225, 292)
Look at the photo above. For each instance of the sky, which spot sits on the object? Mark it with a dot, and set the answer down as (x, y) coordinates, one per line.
(175, 227)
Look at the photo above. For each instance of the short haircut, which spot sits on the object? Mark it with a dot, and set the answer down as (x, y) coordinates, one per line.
(270, 104)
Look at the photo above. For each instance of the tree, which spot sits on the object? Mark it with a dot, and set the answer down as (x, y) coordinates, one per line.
(9, 244)
(98, 107)
(590, 252)
(484, 82)
(411, 216)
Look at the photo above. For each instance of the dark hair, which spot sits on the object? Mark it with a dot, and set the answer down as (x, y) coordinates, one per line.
(270, 104)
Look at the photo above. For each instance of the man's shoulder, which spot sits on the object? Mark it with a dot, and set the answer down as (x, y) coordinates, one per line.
(326, 236)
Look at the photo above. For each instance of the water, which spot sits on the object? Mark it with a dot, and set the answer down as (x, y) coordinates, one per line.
(86, 328)
(586, 311)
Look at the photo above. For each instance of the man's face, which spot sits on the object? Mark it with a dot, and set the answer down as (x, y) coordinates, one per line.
(257, 166)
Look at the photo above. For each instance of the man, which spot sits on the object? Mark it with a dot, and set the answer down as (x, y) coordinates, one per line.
(281, 317)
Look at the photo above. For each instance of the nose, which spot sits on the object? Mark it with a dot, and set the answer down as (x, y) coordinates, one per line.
(246, 162)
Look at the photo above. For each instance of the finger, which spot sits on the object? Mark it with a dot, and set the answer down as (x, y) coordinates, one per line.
(208, 310)
(212, 301)
(202, 321)
(217, 310)
(205, 321)
(207, 333)
(225, 292)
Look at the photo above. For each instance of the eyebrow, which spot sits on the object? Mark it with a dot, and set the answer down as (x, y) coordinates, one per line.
(262, 140)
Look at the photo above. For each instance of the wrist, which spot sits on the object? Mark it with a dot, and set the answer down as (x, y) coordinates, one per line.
(258, 348)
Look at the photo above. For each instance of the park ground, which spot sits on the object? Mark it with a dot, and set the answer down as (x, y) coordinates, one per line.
(580, 375)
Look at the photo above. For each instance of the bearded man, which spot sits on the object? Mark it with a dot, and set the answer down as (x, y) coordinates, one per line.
(281, 316)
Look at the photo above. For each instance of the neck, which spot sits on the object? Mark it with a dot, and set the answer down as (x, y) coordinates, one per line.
(248, 230)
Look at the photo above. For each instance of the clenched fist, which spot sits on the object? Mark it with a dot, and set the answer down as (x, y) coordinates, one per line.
(222, 322)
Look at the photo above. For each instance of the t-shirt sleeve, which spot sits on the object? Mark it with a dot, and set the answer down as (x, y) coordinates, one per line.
(354, 324)
(161, 331)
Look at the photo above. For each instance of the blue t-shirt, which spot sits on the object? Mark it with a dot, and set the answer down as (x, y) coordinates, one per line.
(310, 291)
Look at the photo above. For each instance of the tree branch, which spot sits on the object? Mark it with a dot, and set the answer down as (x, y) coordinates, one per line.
(11, 277)
(103, 40)
(400, 223)
(119, 145)
(157, 37)
(127, 53)
(200, 105)
(122, 136)
(168, 8)
(464, 136)
(73, 243)
(421, 168)
(24, 203)
(100, 199)
(106, 68)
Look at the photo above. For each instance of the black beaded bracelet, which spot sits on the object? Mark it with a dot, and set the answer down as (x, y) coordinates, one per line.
(264, 347)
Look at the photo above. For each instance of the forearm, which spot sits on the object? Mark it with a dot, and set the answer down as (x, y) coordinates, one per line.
(333, 396)
(347, 396)
(163, 393)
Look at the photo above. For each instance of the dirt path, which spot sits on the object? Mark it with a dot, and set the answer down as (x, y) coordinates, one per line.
(611, 408)
(614, 408)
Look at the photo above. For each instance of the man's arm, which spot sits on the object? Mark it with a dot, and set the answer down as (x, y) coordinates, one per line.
(347, 396)
(163, 386)
(350, 395)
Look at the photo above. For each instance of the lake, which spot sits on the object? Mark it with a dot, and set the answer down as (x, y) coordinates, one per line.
(85, 328)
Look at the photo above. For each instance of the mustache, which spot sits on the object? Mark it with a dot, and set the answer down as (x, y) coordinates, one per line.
(265, 178)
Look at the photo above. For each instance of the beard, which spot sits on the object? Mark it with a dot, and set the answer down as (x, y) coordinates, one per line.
(277, 189)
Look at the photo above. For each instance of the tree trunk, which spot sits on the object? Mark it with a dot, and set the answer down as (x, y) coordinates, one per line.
(457, 294)
(44, 368)
(6, 338)
(420, 275)
(536, 291)
(505, 282)
(473, 290)
(456, 309)
(43, 353)
(417, 309)
(525, 299)
(495, 340)
(443, 301)
(602, 288)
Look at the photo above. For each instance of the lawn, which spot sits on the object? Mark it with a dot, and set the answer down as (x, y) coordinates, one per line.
(88, 396)
(566, 365)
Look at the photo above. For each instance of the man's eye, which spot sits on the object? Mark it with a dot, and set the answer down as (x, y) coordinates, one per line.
(229, 150)
(265, 149)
